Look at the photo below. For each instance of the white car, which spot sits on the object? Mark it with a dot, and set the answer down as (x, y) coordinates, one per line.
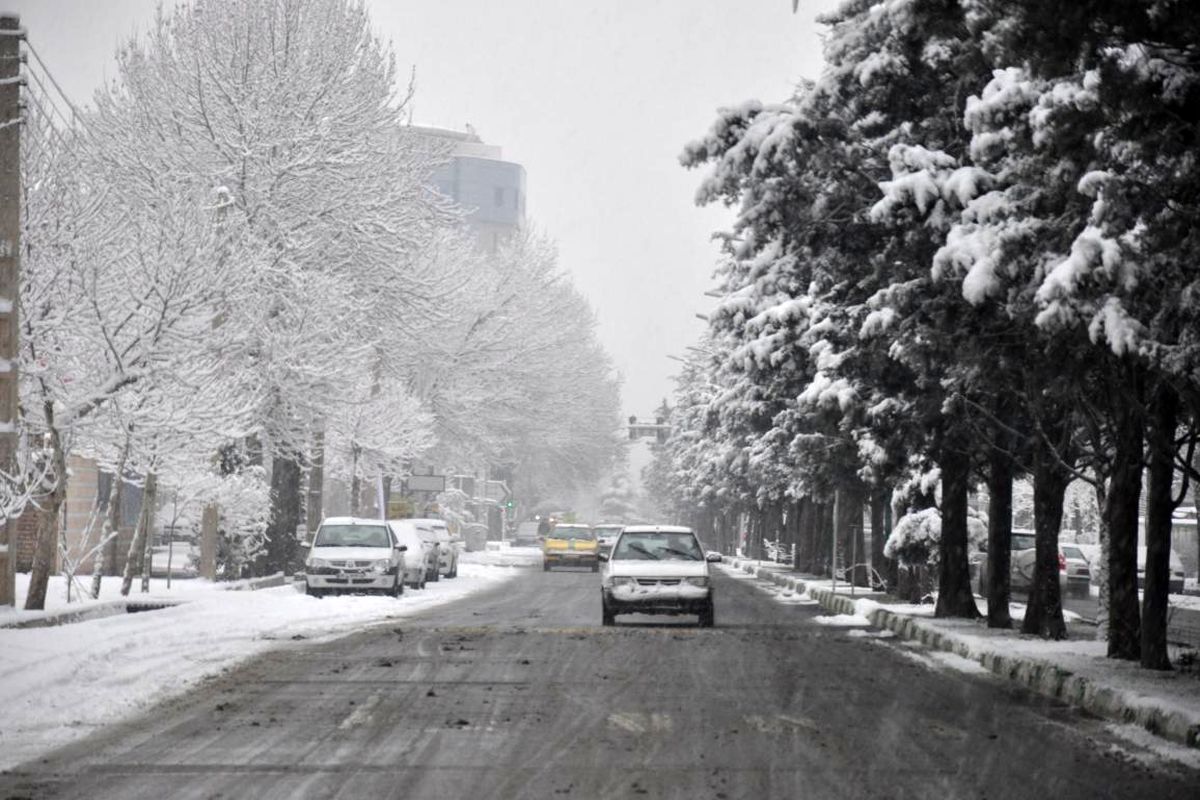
(438, 532)
(348, 554)
(656, 569)
(606, 535)
(1175, 580)
(421, 557)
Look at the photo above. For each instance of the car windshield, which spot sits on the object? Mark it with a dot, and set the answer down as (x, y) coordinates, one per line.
(658, 547)
(352, 536)
(573, 533)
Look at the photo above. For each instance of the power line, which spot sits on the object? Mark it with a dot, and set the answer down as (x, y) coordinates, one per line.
(74, 111)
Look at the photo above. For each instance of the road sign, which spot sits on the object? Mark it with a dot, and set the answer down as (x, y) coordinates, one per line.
(425, 483)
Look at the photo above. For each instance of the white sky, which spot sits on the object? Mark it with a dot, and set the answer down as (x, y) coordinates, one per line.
(596, 98)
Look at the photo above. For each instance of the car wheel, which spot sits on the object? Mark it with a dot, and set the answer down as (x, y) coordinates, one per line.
(398, 588)
(707, 616)
(607, 618)
(311, 592)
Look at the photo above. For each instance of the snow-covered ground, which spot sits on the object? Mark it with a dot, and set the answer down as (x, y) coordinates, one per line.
(61, 683)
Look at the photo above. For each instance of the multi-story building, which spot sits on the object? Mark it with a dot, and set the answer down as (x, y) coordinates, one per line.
(490, 190)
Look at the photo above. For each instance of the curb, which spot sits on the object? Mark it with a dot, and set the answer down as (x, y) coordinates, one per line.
(1039, 676)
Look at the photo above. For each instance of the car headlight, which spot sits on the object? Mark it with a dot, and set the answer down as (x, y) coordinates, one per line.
(381, 566)
(317, 563)
(622, 581)
(701, 582)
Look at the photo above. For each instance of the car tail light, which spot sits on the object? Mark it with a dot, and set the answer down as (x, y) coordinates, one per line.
(1062, 563)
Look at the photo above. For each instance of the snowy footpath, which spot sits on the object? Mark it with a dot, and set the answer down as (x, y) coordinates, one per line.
(63, 682)
(1075, 671)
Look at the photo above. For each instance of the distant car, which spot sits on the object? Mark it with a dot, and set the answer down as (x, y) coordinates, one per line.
(570, 545)
(527, 535)
(1176, 580)
(1074, 574)
(656, 569)
(421, 557)
(179, 559)
(606, 536)
(438, 532)
(350, 554)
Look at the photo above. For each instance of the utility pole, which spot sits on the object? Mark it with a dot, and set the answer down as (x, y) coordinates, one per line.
(10, 273)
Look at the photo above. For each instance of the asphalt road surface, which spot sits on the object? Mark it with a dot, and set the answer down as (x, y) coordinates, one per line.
(520, 693)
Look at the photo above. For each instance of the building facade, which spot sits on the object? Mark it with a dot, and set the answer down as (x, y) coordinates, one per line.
(490, 190)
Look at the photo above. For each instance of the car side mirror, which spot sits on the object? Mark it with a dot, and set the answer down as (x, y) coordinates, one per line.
(713, 557)
(602, 556)
(306, 545)
(402, 548)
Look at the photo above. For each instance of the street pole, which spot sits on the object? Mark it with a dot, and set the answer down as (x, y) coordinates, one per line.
(10, 271)
(833, 550)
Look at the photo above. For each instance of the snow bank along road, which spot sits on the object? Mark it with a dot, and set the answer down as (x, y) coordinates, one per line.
(517, 691)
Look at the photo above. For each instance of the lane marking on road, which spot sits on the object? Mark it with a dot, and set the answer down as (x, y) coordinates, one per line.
(361, 714)
(638, 722)
(781, 723)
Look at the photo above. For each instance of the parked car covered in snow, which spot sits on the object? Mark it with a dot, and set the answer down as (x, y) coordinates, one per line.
(656, 569)
(348, 554)
(1176, 580)
(438, 532)
(1074, 574)
(421, 557)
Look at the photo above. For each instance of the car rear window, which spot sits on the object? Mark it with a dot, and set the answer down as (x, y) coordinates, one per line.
(352, 536)
(1073, 552)
(573, 533)
(658, 547)
(1023, 541)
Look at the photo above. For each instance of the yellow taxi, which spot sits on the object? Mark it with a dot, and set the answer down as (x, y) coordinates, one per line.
(570, 545)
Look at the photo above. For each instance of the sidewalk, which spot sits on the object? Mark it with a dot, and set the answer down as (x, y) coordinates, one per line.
(1074, 671)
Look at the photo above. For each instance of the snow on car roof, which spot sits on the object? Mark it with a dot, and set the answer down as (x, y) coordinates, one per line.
(657, 529)
(352, 521)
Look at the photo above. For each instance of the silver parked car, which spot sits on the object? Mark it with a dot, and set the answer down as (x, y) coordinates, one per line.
(348, 554)
(438, 532)
(421, 557)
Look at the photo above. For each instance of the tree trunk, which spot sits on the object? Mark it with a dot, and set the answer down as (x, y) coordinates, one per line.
(112, 525)
(314, 506)
(49, 519)
(150, 506)
(355, 483)
(1101, 570)
(137, 548)
(1043, 616)
(879, 502)
(1000, 492)
(954, 574)
(284, 518)
(1121, 515)
(892, 573)
(1165, 413)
